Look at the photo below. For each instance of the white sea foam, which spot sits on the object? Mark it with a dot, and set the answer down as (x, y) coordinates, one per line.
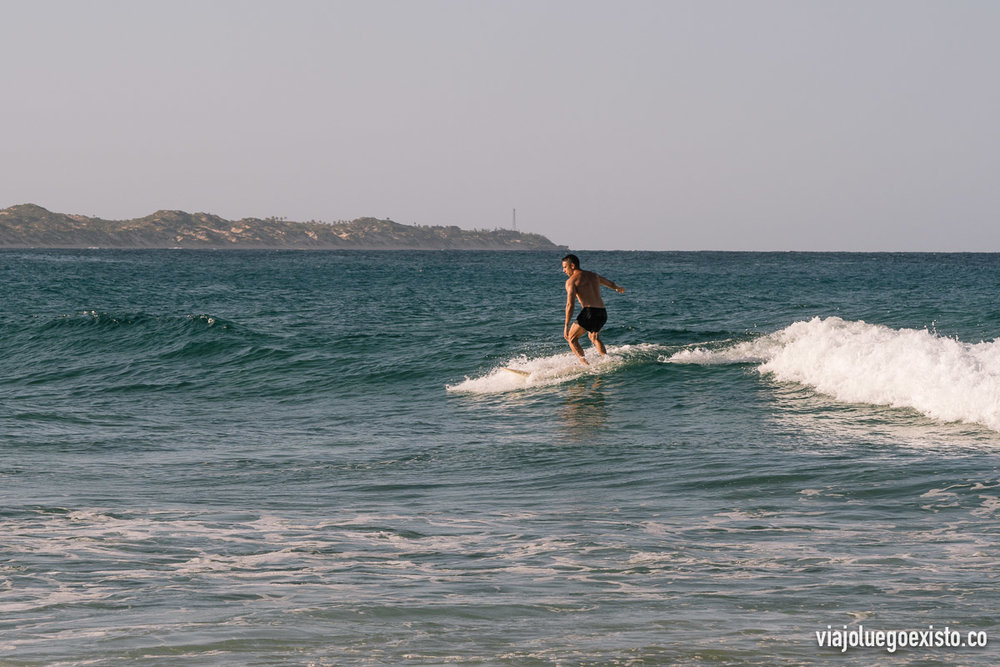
(857, 362)
(549, 370)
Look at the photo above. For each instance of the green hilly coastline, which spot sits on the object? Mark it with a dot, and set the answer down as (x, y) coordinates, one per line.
(31, 226)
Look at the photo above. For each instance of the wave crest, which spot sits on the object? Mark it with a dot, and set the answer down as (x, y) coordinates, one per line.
(857, 362)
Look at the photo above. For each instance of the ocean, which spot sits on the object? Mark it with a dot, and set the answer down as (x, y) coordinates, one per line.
(316, 458)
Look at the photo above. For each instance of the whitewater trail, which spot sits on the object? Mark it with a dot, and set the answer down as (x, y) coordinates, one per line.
(857, 362)
(554, 369)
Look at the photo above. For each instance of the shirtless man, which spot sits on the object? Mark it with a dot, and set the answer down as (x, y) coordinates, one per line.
(585, 286)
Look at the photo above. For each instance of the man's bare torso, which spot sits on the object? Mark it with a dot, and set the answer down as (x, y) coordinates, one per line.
(587, 286)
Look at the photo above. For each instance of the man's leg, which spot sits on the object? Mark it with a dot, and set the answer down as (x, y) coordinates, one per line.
(595, 338)
(575, 332)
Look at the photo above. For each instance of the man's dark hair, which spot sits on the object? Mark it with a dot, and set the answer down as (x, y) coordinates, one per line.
(572, 259)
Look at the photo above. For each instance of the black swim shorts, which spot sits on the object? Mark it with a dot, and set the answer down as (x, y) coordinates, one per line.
(592, 319)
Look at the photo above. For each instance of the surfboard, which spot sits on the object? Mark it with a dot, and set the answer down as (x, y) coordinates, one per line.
(514, 370)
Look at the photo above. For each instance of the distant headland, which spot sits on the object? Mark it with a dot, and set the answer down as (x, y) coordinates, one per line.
(31, 226)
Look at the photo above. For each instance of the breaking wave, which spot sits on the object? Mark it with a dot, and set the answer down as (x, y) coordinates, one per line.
(858, 362)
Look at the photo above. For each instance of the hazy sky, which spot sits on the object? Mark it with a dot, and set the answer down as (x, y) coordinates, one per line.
(624, 124)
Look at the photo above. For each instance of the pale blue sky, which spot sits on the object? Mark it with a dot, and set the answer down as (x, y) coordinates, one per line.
(652, 125)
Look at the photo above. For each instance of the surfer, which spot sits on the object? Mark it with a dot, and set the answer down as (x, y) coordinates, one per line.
(585, 287)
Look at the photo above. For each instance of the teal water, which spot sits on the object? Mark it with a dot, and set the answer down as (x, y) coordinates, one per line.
(271, 458)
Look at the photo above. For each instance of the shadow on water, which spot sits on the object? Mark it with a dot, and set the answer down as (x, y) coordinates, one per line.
(584, 413)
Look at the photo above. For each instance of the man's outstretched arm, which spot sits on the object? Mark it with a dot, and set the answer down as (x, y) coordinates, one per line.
(611, 284)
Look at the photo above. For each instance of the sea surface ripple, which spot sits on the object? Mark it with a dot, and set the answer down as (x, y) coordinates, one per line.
(270, 458)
